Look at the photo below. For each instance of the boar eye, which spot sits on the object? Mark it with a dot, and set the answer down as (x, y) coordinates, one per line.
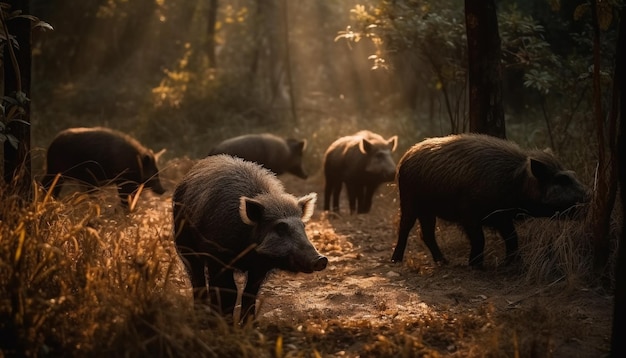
(281, 229)
(562, 180)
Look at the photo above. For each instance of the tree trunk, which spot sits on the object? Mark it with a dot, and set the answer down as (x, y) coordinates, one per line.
(618, 344)
(17, 74)
(270, 50)
(287, 60)
(486, 111)
(211, 23)
(606, 187)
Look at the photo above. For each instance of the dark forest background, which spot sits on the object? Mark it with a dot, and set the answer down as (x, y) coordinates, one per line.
(183, 75)
(153, 69)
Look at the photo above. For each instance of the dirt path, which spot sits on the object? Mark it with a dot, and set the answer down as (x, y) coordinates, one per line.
(364, 305)
(454, 309)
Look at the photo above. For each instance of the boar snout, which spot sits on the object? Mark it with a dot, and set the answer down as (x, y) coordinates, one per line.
(316, 264)
(157, 188)
(320, 263)
(299, 172)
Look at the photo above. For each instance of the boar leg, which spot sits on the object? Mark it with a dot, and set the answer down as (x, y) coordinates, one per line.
(125, 192)
(477, 242)
(427, 224)
(195, 267)
(250, 292)
(194, 263)
(352, 196)
(332, 190)
(327, 194)
(360, 199)
(223, 291)
(506, 229)
(407, 220)
(336, 195)
(369, 195)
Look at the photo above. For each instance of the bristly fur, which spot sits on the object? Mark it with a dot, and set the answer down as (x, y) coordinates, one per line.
(477, 180)
(231, 214)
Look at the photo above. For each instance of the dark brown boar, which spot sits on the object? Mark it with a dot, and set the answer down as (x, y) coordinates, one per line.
(277, 154)
(231, 214)
(100, 156)
(363, 162)
(477, 180)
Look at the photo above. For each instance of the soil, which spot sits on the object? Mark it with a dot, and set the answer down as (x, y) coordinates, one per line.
(362, 304)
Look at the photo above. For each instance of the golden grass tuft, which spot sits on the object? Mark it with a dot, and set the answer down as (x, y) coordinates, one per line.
(76, 282)
(82, 276)
(560, 249)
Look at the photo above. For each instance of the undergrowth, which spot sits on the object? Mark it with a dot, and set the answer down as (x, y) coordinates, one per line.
(80, 276)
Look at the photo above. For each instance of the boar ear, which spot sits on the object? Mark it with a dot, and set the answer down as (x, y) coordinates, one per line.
(365, 146)
(250, 210)
(297, 146)
(393, 143)
(302, 145)
(158, 154)
(540, 170)
(146, 160)
(307, 203)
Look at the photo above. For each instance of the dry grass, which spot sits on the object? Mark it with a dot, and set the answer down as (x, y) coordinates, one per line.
(80, 276)
(93, 280)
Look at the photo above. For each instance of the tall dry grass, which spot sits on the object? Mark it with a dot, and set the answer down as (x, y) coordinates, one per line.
(79, 277)
(561, 249)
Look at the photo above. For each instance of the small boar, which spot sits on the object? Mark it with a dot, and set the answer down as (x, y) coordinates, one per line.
(477, 180)
(101, 156)
(231, 214)
(363, 161)
(277, 154)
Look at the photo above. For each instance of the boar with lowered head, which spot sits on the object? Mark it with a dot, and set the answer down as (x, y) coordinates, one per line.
(231, 214)
(101, 156)
(280, 155)
(363, 162)
(477, 180)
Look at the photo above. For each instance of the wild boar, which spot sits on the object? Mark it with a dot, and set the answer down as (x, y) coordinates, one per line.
(231, 214)
(363, 162)
(101, 156)
(477, 180)
(277, 154)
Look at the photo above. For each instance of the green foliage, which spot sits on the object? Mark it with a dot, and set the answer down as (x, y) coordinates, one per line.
(12, 106)
(412, 36)
(525, 50)
(435, 36)
(546, 74)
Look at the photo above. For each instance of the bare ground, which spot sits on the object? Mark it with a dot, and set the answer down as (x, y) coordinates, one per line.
(364, 305)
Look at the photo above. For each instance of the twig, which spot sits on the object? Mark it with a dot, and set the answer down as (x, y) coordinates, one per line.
(516, 302)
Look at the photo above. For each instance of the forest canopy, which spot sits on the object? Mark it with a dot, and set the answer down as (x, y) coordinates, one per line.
(345, 59)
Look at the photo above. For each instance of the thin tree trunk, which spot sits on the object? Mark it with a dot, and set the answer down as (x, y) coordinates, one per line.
(618, 344)
(486, 111)
(604, 198)
(292, 99)
(258, 28)
(211, 23)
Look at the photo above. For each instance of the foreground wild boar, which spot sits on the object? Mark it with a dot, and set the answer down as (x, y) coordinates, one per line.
(231, 214)
(277, 154)
(363, 161)
(100, 156)
(477, 180)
